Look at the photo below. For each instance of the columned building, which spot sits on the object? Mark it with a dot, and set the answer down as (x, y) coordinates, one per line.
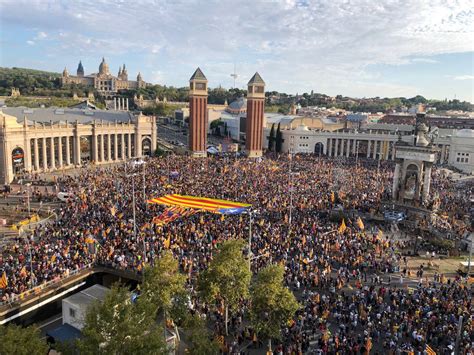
(198, 114)
(352, 143)
(54, 139)
(255, 116)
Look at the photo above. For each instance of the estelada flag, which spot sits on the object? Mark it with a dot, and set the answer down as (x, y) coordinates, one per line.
(360, 224)
(4, 280)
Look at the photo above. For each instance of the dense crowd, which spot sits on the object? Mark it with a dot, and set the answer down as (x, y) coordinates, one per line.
(343, 278)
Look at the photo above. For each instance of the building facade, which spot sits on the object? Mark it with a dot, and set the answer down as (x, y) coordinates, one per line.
(454, 147)
(54, 139)
(103, 81)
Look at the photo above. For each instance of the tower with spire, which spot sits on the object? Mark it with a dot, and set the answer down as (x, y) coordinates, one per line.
(255, 115)
(65, 73)
(124, 73)
(80, 70)
(198, 114)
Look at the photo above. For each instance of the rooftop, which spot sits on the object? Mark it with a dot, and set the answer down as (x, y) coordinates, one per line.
(70, 115)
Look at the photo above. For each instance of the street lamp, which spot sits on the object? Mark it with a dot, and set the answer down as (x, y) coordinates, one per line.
(22, 233)
(28, 197)
(134, 216)
(250, 213)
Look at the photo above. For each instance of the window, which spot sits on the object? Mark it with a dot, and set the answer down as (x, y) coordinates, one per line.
(72, 313)
(200, 86)
(259, 89)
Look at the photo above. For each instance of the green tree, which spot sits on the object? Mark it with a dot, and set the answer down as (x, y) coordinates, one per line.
(272, 304)
(199, 338)
(278, 139)
(164, 286)
(21, 341)
(119, 326)
(227, 278)
(271, 139)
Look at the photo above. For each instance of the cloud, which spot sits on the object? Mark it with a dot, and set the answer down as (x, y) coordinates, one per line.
(31, 43)
(464, 77)
(424, 60)
(295, 44)
(41, 35)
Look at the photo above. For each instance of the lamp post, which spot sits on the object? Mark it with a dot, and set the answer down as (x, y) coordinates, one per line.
(21, 233)
(135, 217)
(28, 197)
(470, 255)
(250, 240)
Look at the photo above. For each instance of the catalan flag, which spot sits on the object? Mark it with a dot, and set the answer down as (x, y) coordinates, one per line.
(202, 203)
(4, 280)
(429, 350)
(360, 224)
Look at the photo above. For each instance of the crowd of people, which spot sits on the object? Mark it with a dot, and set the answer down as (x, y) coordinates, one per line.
(344, 278)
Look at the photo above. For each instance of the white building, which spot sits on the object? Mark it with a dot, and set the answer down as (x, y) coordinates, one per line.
(377, 141)
(75, 307)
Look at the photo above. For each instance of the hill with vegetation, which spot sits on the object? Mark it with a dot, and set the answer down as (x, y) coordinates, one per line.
(39, 84)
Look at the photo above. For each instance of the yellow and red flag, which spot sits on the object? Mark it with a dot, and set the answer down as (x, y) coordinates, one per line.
(4, 280)
(360, 224)
(201, 203)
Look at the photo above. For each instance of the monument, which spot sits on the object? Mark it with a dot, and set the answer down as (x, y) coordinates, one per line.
(255, 116)
(412, 176)
(198, 114)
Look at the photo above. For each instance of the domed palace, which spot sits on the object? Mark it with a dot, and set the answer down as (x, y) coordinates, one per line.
(103, 81)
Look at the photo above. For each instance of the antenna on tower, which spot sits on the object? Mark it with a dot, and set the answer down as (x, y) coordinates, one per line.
(234, 75)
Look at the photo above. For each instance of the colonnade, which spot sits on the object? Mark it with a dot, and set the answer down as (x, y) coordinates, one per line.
(376, 149)
(49, 153)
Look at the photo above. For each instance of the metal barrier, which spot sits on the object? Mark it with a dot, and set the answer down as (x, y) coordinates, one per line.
(36, 290)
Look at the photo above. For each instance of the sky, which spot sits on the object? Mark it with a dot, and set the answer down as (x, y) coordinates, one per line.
(361, 48)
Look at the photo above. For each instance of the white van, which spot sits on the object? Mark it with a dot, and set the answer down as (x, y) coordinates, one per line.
(65, 196)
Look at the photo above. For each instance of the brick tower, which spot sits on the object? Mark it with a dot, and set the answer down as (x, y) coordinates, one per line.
(254, 121)
(198, 114)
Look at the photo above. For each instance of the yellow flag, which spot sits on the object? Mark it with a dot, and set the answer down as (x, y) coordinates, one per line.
(222, 217)
(201, 220)
(342, 227)
(380, 234)
(53, 258)
(167, 243)
(304, 240)
(333, 197)
(360, 224)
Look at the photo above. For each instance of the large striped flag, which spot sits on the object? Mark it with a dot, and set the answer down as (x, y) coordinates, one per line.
(202, 203)
(4, 280)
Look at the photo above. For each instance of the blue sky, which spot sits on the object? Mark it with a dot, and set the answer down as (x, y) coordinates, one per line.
(360, 48)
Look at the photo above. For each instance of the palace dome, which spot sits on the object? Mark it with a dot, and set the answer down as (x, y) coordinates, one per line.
(103, 67)
(238, 106)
